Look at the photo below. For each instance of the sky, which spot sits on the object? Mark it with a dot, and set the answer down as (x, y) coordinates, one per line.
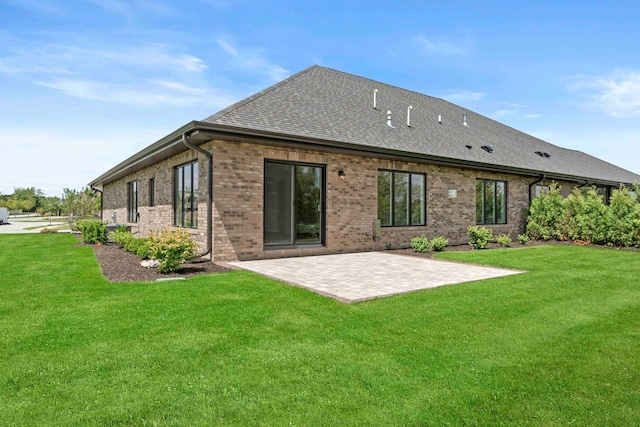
(85, 84)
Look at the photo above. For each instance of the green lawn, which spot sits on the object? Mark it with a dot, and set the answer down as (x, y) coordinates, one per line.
(559, 345)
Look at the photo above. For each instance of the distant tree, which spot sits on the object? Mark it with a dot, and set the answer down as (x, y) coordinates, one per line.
(25, 199)
(79, 204)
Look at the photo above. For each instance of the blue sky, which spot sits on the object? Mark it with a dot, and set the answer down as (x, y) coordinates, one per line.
(84, 84)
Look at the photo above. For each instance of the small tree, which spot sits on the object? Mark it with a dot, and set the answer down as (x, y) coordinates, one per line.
(545, 215)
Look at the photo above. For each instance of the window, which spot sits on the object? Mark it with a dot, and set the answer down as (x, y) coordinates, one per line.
(293, 204)
(185, 203)
(152, 192)
(491, 202)
(401, 198)
(132, 201)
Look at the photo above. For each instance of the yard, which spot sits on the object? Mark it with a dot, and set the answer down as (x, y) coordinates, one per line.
(556, 346)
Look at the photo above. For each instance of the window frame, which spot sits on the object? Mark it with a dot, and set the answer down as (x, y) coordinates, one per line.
(409, 200)
(152, 192)
(179, 216)
(323, 204)
(495, 201)
(132, 201)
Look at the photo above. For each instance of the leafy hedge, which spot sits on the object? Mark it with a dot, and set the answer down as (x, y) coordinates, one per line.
(584, 216)
(93, 231)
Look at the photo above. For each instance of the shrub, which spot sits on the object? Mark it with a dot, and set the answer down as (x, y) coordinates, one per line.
(545, 213)
(132, 245)
(144, 252)
(586, 216)
(120, 237)
(504, 239)
(48, 230)
(421, 244)
(523, 239)
(439, 243)
(93, 231)
(625, 218)
(122, 228)
(479, 237)
(171, 248)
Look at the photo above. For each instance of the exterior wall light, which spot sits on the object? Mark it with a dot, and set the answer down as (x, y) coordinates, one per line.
(341, 174)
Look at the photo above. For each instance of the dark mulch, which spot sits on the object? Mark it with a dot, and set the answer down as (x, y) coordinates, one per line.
(119, 265)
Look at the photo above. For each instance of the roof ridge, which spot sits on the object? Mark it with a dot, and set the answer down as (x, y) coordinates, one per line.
(233, 107)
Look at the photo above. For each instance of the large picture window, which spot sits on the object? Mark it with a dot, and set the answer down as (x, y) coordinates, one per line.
(401, 198)
(186, 195)
(293, 204)
(491, 202)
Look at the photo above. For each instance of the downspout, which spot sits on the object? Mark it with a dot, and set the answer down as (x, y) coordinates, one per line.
(586, 182)
(101, 200)
(534, 183)
(185, 141)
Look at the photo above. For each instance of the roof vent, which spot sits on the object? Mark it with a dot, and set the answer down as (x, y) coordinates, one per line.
(487, 148)
(469, 146)
(539, 153)
(440, 118)
(375, 99)
(409, 108)
(464, 120)
(547, 155)
(389, 123)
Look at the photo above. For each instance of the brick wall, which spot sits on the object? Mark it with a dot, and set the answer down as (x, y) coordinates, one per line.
(351, 204)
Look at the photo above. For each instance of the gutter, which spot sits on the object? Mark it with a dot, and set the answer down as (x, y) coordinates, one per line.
(185, 141)
(101, 200)
(534, 183)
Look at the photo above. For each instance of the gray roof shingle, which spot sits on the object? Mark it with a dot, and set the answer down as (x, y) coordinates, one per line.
(331, 105)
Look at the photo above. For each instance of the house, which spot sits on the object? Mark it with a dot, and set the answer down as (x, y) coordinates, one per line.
(328, 162)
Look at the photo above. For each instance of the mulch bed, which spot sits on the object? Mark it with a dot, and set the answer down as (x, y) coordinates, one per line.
(119, 265)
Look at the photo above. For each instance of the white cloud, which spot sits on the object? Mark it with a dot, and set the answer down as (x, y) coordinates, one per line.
(617, 94)
(532, 116)
(502, 113)
(252, 60)
(463, 95)
(146, 93)
(436, 47)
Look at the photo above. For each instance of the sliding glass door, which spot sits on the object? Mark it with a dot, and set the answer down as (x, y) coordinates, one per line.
(293, 204)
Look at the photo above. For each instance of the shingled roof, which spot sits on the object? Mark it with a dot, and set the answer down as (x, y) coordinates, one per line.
(324, 107)
(329, 105)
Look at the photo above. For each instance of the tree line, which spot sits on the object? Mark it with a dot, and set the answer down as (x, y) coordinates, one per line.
(73, 203)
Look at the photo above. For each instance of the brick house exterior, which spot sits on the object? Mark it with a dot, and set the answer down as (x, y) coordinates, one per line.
(288, 128)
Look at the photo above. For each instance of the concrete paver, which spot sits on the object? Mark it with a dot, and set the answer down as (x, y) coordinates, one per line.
(368, 275)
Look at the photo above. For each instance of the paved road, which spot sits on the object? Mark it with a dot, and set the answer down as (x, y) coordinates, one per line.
(20, 224)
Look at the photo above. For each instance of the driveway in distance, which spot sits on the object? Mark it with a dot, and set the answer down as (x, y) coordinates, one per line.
(369, 275)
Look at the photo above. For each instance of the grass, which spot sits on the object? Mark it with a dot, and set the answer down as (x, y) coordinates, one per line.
(558, 345)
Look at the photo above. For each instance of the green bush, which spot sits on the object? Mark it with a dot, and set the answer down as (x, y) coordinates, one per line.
(586, 217)
(144, 252)
(504, 240)
(120, 237)
(439, 243)
(421, 244)
(479, 237)
(625, 218)
(545, 214)
(171, 248)
(523, 239)
(122, 228)
(93, 231)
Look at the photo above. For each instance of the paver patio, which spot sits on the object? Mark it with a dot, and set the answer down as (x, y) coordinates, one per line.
(368, 275)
